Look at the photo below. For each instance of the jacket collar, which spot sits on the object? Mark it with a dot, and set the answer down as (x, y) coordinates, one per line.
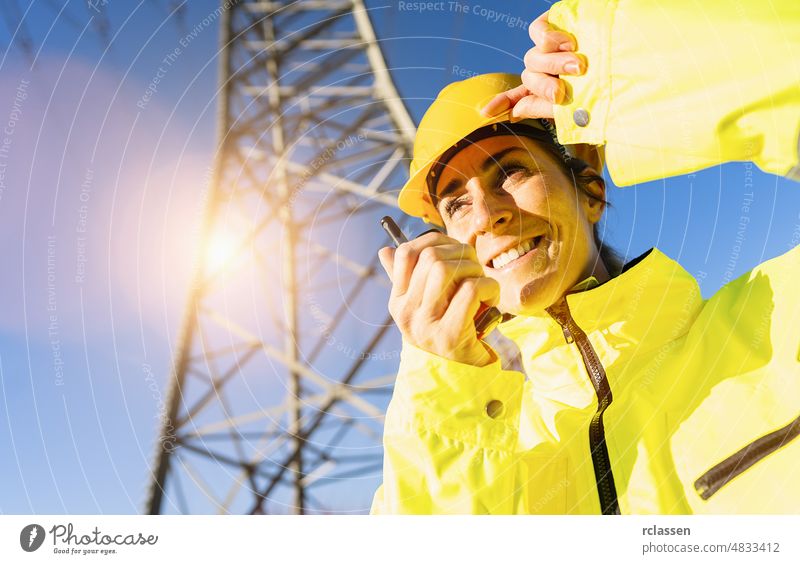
(653, 301)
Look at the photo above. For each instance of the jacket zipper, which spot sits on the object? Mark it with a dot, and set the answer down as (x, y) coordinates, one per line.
(710, 483)
(606, 489)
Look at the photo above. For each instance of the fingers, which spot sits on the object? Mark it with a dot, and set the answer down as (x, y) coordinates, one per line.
(548, 39)
(470, 294)
(443, 280)
(541, 70)
(552, 56)
(435, 267)
(532, 107)
(504, 101)
(538, 61)
(405, 259)
(528, 105)
(407, 255)
(440, 263)
(549, 88)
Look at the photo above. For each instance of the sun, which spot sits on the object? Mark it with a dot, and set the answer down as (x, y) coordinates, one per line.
(221, 250)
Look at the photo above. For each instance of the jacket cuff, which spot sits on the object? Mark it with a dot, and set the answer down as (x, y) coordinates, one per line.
(476, 405)
(582, 117)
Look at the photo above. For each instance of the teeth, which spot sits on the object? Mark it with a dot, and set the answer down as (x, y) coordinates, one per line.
(504, 258)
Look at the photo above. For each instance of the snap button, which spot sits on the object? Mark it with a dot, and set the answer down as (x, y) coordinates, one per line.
(494, 408)
(581, 117)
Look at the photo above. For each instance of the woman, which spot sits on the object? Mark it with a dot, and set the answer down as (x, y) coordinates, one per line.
(640, 397)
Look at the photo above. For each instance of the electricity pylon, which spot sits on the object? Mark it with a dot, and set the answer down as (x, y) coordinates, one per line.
(280, 376)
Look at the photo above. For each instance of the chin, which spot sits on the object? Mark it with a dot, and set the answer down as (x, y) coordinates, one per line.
(534, 297)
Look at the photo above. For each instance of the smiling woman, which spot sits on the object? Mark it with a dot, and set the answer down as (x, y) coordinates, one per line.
(531, 216)
(637, 396)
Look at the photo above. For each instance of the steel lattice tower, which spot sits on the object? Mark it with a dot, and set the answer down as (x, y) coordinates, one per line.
(277, 389)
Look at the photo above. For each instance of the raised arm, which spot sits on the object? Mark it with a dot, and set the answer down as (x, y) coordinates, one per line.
(671, 87)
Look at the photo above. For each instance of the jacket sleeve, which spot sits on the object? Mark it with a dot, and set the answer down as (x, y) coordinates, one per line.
(444, 450)
(675, 86)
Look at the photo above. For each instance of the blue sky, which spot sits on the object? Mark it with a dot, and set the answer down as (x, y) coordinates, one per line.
(102, 202)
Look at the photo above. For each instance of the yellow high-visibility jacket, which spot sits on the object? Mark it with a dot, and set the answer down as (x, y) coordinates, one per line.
(674, 86)
(641, 396)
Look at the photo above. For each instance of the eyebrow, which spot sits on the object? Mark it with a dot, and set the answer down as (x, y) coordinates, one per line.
(454, 184)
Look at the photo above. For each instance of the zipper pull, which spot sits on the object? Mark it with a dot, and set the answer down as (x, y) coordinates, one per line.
(560, 313)
(567, 334)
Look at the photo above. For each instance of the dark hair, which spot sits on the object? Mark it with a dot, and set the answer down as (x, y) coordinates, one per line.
(610, 257)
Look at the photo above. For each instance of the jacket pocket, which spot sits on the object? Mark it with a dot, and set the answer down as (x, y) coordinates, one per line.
(715, 478)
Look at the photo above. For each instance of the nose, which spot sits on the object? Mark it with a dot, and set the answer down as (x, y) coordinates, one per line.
(490, 213)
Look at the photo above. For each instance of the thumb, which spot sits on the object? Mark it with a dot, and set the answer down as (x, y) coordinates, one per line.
(532, 107)
(386, 256)
(505, 100)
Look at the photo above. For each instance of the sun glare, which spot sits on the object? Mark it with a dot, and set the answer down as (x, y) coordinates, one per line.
(220, 252)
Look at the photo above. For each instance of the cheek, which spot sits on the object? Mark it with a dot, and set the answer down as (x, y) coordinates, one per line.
(565, 210)
(534, 197)
(457, 232)
(548, 198)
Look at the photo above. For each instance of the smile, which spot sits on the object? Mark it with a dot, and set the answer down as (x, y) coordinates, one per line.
(511, 255)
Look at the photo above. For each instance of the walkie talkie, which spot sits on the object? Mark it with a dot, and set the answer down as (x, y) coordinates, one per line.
(487, 318)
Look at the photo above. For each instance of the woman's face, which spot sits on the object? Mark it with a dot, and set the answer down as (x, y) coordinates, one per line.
(504, 195)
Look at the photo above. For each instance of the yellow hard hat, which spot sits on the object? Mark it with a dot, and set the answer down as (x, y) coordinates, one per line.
(454, 115)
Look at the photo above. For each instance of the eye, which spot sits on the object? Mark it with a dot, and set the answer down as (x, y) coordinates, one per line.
(455, 204)
(511, 173)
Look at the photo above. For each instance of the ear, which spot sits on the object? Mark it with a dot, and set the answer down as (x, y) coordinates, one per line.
(594, 206)
(594, 156)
